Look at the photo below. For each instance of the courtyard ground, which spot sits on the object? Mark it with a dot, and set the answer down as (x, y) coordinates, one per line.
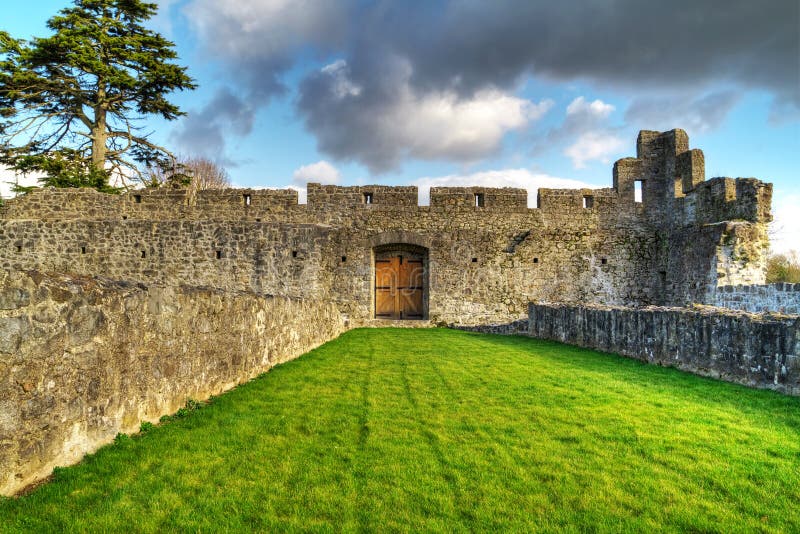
(440, 430)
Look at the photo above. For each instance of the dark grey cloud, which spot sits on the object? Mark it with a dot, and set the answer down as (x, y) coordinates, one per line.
(693, 57)
(622, 43)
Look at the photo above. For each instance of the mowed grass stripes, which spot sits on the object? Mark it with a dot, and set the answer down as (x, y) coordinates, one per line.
(440, 430)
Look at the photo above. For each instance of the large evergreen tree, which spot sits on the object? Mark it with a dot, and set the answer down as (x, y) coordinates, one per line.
(72, 105)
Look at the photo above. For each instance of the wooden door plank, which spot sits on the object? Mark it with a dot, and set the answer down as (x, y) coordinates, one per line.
(384, 273)
(384, 303)
(412, 274)
(411, 302)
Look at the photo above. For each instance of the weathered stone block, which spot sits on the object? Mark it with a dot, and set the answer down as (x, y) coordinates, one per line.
(12, 330)
(13, 298)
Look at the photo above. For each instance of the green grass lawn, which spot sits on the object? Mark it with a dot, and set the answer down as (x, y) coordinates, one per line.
(439, 430)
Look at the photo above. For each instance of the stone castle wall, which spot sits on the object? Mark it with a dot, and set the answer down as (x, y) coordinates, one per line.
(709, 232)
(82, 359)
(755, 350)
(780, 297)
(488, 253)
(486, 263)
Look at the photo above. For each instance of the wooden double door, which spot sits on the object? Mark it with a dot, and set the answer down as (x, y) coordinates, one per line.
(399, 286)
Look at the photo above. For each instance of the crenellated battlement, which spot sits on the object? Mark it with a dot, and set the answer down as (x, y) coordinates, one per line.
(505, 199)
(322, 197)
(599, 200)
(726, 199)
(673, 193)
(151, 204)
(673, 188)
(277, 204)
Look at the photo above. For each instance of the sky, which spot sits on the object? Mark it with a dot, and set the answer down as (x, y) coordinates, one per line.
(496, 93)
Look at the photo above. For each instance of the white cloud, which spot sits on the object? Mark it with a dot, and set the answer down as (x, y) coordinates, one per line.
(597, 108)
(8, 177)
(587, 133)
(442, 125)
(594, 145)
(409, 123)
(785, 229)
(320, 172)
(520, 178)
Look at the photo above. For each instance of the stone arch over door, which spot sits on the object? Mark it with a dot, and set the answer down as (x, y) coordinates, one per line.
(400, 237)
(400, 287)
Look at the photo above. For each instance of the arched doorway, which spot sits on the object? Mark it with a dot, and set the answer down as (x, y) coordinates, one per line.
(400, 275)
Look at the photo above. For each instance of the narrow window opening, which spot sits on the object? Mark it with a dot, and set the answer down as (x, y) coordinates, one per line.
(124, 217)
(344, 259)
(83, 250)
(637, 191)
(219, 254)
(479, 200)
(137, 199)
(367, 198)
(19, 248)
(588, 201)
(144, 254)
(247, 200)
(474, 260)
(294, 253)
(604, 261)
(535, 260)
(258, 219)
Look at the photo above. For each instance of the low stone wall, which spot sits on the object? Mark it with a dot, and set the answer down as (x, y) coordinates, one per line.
(82, 359)
(780, 297)
(754, 350)
(518, 327)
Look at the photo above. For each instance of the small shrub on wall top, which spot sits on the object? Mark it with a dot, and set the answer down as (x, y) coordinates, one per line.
(784, 268)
